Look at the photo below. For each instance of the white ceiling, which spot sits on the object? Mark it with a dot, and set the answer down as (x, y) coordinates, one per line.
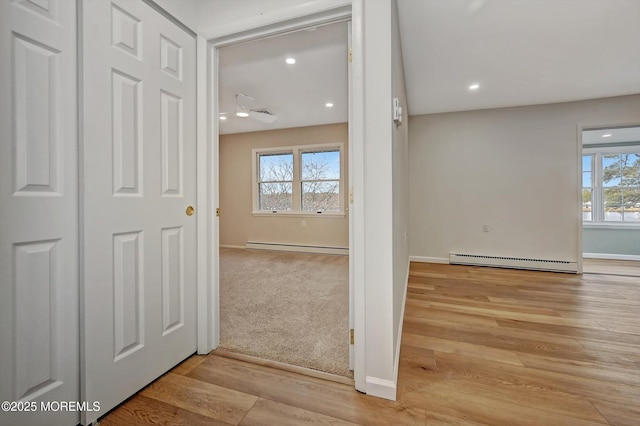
(521, 52)
(616, 135)
(297, 93)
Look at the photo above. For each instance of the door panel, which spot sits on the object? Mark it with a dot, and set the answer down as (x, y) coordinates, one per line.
(139, 177)
(38, 210)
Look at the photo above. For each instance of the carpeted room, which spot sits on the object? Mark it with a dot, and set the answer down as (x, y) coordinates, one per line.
(285, 306)
(284, 188)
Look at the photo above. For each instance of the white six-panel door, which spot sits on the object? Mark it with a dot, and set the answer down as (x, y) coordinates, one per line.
(39, 350)
(139, 177)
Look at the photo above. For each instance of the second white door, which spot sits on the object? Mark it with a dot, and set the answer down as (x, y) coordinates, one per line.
(139, 175)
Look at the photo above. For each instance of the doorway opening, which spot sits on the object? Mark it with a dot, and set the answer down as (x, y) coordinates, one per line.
(611, 200)
(283, 167)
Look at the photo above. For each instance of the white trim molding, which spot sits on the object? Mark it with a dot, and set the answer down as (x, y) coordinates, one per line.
(424, 259)
(401, 322)
(611, 256)
(381, 388)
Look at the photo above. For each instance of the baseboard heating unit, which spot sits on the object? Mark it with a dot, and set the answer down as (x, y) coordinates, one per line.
(513, 262)
(297, 248)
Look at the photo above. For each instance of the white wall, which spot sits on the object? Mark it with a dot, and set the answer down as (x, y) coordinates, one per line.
(513, 169)
(611, 240)
(400, 176)
(386, 195)
(223, 17)
(378, 198)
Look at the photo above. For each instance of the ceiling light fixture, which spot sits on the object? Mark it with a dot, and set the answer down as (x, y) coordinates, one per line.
(608, 135)
(242, 105)
(290, 61)
(329, 105)
(474, 86)
(223, 117)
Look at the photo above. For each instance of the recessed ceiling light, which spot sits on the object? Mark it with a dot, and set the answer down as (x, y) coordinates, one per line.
(329, 105)
(474, 86)
(290, 61)
(223, 117)
(242, 114)
(608, 135)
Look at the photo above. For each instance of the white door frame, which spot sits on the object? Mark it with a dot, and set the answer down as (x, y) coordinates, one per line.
(208, 188)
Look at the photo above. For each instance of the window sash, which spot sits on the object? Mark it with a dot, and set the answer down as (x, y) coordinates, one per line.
(600, 214)
(297, 181)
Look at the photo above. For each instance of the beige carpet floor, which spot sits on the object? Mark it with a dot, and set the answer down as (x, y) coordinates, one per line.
(286, 307)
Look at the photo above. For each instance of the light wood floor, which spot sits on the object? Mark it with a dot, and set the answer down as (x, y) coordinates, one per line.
(480, 346)
(611, 267)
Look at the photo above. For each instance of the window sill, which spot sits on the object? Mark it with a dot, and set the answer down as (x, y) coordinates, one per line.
(334, 215)
(611, 225)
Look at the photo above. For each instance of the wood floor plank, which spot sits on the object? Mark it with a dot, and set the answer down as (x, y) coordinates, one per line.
(619, 415)
(462, 348)
(454, 375)
(266, 412)
(331, 399)
(200, 397)
(604, 371)
(188, 364)
(450, 401)
(141, 410)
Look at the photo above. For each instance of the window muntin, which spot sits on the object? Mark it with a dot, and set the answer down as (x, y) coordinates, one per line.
(611, 185)
(299, 179)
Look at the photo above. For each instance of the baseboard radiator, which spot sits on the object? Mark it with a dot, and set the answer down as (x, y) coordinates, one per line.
(513, 262)
(297, 248)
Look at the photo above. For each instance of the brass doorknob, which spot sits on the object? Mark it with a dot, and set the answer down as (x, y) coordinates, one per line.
(189, 211)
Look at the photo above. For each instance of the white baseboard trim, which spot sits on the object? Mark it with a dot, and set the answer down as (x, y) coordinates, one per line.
(297, 248)
(381, 388)
(231, 246)
(610, 256)
(399, 338)
(424, 259)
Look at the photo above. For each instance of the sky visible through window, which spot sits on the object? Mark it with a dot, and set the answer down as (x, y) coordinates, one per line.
(328, 160)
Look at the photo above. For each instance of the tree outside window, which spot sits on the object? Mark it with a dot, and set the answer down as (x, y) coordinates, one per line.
(611, 186)
(301, 179)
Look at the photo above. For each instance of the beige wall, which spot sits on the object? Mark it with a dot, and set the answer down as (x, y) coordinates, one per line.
(515, 170)
(238, 225)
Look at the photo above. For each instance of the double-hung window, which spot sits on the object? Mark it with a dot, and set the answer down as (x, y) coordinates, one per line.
(305, 179)
(611, 184)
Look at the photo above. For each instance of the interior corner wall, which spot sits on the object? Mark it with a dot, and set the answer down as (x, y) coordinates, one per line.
(515, 170)
(400, 176)
(237, 223)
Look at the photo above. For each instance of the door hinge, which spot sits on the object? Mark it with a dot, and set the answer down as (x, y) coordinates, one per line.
(350, 55)
(218, 212)
(351, 336)
(351, 196)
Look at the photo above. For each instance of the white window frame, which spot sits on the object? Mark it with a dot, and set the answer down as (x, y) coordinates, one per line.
(597, 196)
(297, 151)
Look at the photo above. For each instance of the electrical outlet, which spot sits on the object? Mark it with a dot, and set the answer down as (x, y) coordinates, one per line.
(485, 228)
(303, 223)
